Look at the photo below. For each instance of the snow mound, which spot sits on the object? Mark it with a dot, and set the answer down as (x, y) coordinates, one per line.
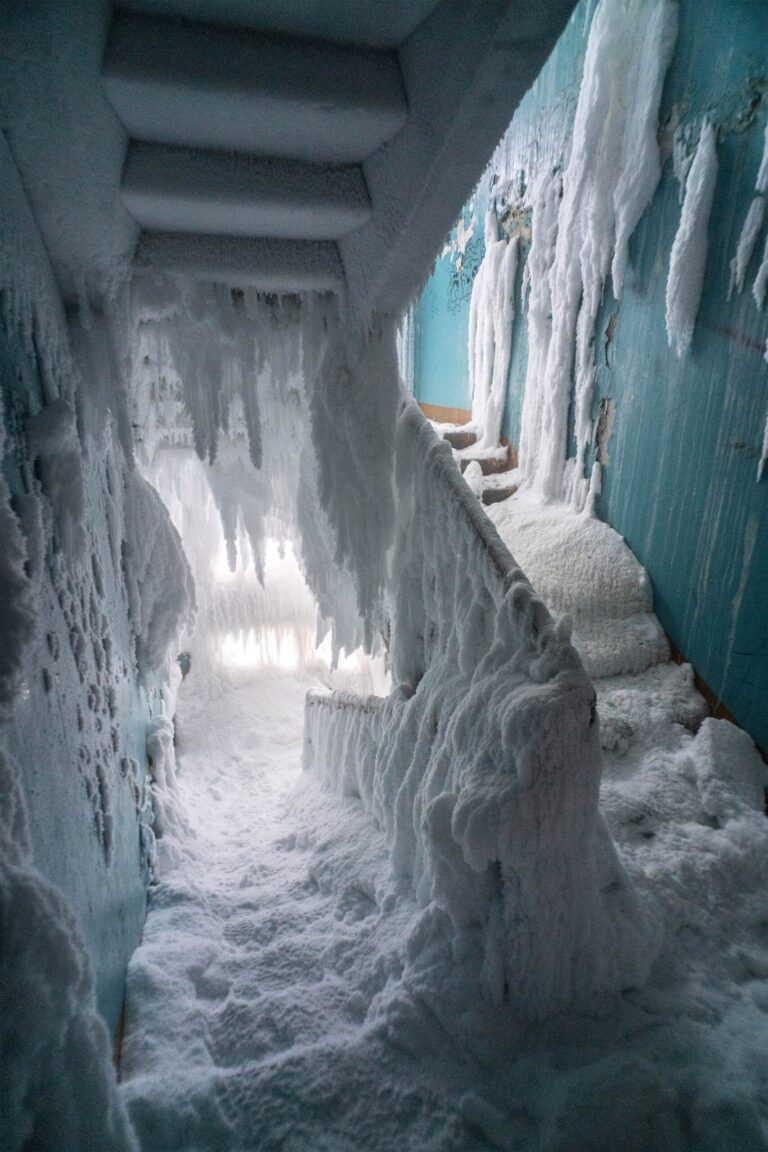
(582, 568)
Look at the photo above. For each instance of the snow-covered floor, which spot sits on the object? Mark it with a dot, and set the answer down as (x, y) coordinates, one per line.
(270, 1006)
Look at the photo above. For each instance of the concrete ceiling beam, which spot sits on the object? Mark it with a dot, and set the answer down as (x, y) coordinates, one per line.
(187, 190)
(198, 86)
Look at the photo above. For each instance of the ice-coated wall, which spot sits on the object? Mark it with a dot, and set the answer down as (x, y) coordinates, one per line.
(679, 437)
(88, 553)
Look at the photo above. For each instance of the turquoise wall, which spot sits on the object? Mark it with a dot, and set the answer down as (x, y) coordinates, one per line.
(679, 478)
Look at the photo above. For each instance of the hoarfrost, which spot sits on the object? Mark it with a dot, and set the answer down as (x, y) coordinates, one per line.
(464, 766)
(609, 180)
(688, 259)
(491, 312)
(746, 246)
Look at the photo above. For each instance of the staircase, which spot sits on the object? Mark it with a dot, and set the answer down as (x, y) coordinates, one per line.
(499, 478)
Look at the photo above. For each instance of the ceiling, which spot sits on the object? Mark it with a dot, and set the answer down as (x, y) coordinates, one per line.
(286, 144)
(366, 23)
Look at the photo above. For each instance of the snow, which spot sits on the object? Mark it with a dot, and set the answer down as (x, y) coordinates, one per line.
(689, 250)
(611, 175)
(582, 568)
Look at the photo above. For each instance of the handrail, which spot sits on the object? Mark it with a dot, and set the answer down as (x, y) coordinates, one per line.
(482, 767)
(442, 462)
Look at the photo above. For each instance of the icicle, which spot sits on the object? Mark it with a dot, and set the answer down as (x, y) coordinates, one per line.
(611, 175)
(746, 245)
(689, 251)
(752, 226)
(761, 184)
(761, 279)
(764, 453)
(491, 312)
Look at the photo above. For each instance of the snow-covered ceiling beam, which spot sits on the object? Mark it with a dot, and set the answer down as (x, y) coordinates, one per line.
(190, 84)
(267, 265)
(190, 190)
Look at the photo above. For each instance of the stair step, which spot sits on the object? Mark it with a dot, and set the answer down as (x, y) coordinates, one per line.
(267, 265)
(458, 439)
(496, 495)
(190, 190)
(489, 465)
(227, 89)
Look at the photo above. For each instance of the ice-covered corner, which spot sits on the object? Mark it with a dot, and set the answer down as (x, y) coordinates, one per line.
(382, 653)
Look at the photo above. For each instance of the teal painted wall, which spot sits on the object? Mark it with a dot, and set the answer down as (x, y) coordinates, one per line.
(679, 480)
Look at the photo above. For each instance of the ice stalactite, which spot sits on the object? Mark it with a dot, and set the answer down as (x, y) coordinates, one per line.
(294, 412)
(18, 620)
(764, 451)
(157, 575)
(491, 312)
(688, 259)
(352, 383)
(761, 279)
(750, 232)
(57, 1091)
(609, 180)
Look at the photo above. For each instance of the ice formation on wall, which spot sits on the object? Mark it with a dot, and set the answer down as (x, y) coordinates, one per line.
(609, 180)
(764, 451)
(491, 312)
(688, 259)
(18, 618)
(483, 766)
(73, 512)
(761, 279)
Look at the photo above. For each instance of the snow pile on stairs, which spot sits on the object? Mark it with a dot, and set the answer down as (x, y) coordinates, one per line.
(483, 765)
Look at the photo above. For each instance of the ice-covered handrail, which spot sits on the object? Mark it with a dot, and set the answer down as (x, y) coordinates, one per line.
(482, 767)
(441, 461)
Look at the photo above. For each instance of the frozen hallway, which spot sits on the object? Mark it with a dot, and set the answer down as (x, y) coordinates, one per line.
(383, 576)
(281, 999)
(263, 951)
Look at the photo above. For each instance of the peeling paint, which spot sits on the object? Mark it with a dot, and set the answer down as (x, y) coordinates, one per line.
(604, 427)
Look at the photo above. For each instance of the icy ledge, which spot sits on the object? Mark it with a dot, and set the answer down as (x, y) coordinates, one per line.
(483, 766)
